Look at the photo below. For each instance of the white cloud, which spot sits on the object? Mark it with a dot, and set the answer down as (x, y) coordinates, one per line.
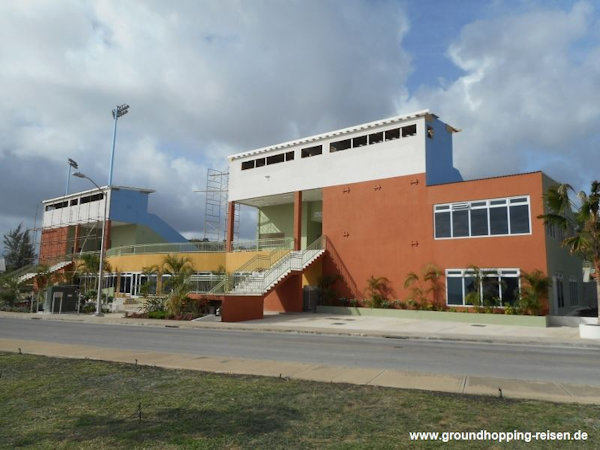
(527, 99)
(203, 79)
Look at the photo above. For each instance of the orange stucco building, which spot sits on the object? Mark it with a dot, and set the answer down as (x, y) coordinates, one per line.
(384, 200)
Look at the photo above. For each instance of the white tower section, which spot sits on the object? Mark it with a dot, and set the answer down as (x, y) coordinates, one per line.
(398, 146)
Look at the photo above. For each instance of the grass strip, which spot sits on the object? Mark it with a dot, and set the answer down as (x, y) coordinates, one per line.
(67, 403)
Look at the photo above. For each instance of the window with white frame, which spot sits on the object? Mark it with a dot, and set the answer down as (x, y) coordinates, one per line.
(573, 291)
(493, 217)
(498, 287)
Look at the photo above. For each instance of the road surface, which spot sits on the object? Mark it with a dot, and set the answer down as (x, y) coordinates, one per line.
(513, 361)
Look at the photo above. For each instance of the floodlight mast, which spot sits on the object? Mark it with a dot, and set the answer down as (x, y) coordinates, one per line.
(119, 111)
(101, 265)
(72, 164)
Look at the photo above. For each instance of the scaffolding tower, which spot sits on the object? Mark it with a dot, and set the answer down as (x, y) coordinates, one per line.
(215, 208)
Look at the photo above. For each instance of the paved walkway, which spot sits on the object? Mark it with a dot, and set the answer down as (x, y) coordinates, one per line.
(332, 324)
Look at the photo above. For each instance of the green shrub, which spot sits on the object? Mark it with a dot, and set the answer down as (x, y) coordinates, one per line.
(158, 314)
(155, 304)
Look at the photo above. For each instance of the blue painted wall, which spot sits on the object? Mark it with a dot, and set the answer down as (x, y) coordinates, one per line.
(438, 155)
(132, 207)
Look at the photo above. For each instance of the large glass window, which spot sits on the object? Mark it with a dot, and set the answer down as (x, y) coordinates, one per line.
(442, 223)
(494, 217)
(499, 287)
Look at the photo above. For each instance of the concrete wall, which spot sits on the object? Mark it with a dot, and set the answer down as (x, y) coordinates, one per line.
(276, 219)
(497, 319)
(80, 213)
(131, 206)
(439, 155)
(280, 219)
(202, 262)
(241, 308)
(286, 296)
(131, 234)
(561, 262)
(385, 228)
(382, 160)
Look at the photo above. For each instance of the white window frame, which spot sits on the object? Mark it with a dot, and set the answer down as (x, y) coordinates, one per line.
(508, 272)
(476, 204)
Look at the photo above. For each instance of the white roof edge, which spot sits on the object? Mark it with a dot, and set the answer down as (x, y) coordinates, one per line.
(362, 126)
(90, 191)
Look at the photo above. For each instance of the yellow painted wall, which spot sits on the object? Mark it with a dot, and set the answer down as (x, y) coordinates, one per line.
(236, 259)
(202, 262)
(310, 277)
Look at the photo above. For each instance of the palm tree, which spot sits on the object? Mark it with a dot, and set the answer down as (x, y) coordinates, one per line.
(89, 264)
(148, 272)
(579, 219)
(534, 292)
(180, 270)
(377, 291)
(431, 275)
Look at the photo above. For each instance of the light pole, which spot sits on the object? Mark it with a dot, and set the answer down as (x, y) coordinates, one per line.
(74, 165)
(117, 112)
(101, 265)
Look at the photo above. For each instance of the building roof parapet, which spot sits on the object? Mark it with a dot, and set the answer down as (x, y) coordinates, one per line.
(91, 191)
(365, 126)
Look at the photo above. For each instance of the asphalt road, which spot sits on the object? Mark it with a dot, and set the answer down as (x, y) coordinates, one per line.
(528, 362)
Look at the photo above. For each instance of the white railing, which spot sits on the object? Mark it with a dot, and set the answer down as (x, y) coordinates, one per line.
(261, 282)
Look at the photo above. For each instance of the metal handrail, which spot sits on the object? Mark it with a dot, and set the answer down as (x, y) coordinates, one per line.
(257, 263)
(263, 244)
(292, 261)
(167, 247)
(200, 247)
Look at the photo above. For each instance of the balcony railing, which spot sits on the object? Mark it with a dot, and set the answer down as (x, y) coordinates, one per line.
(200, 247)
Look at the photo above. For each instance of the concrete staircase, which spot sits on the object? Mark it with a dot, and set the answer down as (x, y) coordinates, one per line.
(30, 275)
(258, 283)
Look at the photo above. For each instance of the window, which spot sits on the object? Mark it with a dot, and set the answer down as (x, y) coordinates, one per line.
(442, 222)
(312, 151)
(275, 159)
(497, 217)
(247, 165)
(499, 287)
(376, 138)
(573, 291)
(359, 141)
(519, 215)
(409, 130)
(289, 156)
(430, 132)
(390, 135)
(260, 162)
(75, 202)
(560, 292)
(340, 145)
(58, 205)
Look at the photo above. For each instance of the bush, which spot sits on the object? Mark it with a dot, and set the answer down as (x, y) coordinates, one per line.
(155, 304)
(158, 315)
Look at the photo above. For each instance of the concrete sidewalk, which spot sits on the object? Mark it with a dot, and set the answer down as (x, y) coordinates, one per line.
(357, 326)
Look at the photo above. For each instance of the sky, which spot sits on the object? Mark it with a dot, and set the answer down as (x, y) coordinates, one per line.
(205, 79)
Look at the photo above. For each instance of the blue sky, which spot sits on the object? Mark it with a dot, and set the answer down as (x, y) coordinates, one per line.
(212, 78)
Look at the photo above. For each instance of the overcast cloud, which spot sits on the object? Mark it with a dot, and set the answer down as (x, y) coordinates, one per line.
(207, 79)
